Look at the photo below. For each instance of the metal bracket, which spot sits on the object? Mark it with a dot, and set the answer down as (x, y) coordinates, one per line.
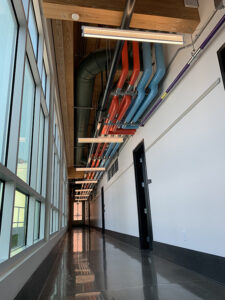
(219, 4)
(191, 3)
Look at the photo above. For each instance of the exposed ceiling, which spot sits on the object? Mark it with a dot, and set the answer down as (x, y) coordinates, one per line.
(71, 48)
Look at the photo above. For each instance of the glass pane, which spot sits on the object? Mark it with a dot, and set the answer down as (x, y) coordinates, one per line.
(25, 6)
(53, 177)
(32, 25)
(77, 211)
(37, 220)
(56, 182)
(1, 200)
(40, 151)
(26, 125)
(19, 221)
(8, 33)
(56, 220)
(44, 78)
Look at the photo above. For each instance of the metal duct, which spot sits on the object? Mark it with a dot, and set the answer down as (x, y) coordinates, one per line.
(89, 68)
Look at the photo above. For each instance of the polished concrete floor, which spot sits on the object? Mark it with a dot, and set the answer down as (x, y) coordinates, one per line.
(93, 267)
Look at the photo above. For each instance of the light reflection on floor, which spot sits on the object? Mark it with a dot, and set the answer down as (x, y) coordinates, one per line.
(77, 242)
(97, 267)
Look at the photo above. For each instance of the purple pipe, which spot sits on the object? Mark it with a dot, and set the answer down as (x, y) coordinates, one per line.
(213, 32)
(183, 71)
(178, 77)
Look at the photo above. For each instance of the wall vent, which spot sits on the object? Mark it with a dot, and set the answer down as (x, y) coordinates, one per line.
(113, 169)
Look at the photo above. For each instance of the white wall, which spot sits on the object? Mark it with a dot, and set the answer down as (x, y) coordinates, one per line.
(186, 165)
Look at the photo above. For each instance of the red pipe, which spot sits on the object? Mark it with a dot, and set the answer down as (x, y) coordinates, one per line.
(125, 68)
(117, 110)
(123, 131)
(126, 101)
(136, 63)
(112, 112)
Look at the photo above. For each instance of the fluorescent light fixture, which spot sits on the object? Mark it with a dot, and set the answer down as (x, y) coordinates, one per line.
(101, 140)
(90, 169)
(132, 35)
(84, 190)
(86, 181)
(82, 199)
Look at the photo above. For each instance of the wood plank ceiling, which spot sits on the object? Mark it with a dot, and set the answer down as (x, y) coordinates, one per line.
(70, 47)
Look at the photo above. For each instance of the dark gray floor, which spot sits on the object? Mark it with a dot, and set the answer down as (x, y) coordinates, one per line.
(96, 267)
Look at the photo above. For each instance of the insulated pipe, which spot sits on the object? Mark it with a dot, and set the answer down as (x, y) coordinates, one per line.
(123, 131)
(147, 62)
(125, 67)
(126, 101)
(191, 61)
(160, 72)
(114, 106)
(115, 61)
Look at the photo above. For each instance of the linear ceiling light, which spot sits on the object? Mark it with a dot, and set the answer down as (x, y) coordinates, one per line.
(86, 181)
(82, 199)
(84, 190)
(90, 169)
(101, 140)
(132, 35)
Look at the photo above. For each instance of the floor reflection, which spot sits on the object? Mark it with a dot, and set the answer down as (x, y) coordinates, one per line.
(77, 242)
(94, 266)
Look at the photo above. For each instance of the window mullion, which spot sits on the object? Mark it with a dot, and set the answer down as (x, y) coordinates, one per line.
(30, 229)
(17, 101)
(35, 143)
(49, 166)
(7, 216)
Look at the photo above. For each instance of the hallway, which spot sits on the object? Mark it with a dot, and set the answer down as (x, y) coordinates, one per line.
(94, 266)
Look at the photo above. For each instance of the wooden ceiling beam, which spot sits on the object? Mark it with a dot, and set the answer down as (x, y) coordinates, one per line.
(73, 174)
(163, 15)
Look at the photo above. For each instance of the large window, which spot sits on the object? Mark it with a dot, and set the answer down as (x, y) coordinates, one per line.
(32, 25)
(37, 215)
(1, 200)
(77, 211)
(26, 125)
(40, 151)
(19, 221)
(55, 179)
(8, 34)
(27, 90)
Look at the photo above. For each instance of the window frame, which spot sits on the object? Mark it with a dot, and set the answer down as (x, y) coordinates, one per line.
(31, 6)
(4, 155)
(39, 221)
(14, 251)
(46, 98)
(1, 201)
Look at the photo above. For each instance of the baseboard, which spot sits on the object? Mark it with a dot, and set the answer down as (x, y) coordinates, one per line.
(33, 287)
(209, 265)
(126, 238)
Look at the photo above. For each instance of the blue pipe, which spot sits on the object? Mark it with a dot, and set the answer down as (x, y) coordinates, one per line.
(154, 82)
(114, 150)
(137, 103)
(147, 62)
(109, 150)
(105, 160)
